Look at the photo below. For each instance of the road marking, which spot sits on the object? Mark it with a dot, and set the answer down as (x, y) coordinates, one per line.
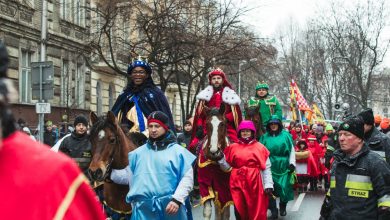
(298, 202)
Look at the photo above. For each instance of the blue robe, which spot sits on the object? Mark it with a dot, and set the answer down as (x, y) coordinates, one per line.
(146, 100)
(156, 175)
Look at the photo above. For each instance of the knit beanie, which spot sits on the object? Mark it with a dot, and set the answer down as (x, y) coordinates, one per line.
(319, 129)
(329, 127)
(368, 116)
(385, 124)
(81, 119)
(377, 119)
(355, 125)
(159, 117)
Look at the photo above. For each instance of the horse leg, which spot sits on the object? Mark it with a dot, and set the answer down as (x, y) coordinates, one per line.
(226, 213)
(207, 210)
(218, 215)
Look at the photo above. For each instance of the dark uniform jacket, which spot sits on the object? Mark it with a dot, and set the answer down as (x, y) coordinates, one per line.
(359, 185)
(79, 148)
(184, 139)
(379, 143)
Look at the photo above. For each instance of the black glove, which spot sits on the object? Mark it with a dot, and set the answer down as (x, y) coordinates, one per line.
(217, 155)
(326, 208)
(291, 168)
(175, 201)
(269, 192)
(199, 132)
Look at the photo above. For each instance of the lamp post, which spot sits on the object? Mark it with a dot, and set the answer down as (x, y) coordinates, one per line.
(240, 63)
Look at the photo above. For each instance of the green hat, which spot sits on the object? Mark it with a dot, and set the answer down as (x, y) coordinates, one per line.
(274, 119)
(329, 127)
(49, 123)
(262, 85)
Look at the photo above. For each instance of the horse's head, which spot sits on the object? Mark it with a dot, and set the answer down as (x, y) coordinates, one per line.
(110, 146)
(253, 113)
(216, 130)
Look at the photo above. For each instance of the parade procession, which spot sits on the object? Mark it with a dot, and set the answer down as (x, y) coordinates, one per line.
(191, 110)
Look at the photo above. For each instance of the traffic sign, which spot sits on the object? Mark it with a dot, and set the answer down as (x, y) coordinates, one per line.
(42, 108)
(42, 80)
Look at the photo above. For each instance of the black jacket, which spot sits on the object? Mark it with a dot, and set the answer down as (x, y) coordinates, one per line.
(184, 139)
(78, 148)
(49, 138)
(379, 143)
(358, 185)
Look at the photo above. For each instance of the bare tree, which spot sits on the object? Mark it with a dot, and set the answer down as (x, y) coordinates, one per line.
(356, 36)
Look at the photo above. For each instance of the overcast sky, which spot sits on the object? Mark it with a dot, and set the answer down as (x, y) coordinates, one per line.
(267, 16)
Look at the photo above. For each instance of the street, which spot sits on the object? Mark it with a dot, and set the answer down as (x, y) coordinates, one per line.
(306, 206)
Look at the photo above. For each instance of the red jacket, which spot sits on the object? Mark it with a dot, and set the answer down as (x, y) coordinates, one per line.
(38, 183)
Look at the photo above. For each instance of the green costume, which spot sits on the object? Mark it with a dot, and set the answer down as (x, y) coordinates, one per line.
(280, 147)
(268, 105)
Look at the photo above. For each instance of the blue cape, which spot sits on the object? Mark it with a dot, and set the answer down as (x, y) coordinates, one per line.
(149, 99)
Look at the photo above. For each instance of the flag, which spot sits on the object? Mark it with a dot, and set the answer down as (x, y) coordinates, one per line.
(318, 114)
(292, 103)
(299, 99)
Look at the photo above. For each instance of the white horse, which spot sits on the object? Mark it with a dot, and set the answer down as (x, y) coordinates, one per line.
(209, 170)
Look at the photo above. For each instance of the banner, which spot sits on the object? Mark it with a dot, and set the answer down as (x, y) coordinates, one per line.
(318, 116)
(299, 99)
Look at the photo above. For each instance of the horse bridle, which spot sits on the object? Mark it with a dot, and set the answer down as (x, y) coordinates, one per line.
(107, 174)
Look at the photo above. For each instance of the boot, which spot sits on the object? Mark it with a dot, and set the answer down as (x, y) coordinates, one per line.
(282, 206)
(272, 207)
(311, 184)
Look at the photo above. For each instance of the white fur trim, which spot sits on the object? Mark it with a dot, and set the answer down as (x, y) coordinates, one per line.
(230, 97)
(206, 93)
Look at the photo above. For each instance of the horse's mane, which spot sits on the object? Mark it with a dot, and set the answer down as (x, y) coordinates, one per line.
(101, 123)
(137, 138)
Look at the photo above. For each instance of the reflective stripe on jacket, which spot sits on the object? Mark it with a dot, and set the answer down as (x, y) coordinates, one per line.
(359, 184)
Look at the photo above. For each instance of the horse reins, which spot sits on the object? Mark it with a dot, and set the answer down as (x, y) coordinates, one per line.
(109, 165)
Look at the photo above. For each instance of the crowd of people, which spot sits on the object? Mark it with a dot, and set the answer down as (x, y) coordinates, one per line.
(171, 172)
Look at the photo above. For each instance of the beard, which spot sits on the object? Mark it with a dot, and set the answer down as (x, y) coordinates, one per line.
(217, 87)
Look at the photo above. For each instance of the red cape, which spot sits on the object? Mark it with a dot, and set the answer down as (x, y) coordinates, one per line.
(246, 183)
(38, 183)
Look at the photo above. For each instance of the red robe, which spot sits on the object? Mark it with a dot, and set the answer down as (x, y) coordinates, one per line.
(246, 186)
(316, 151)
(213, 182)
(37, 183)
(232, 114)
(312, 169)
(299, 136)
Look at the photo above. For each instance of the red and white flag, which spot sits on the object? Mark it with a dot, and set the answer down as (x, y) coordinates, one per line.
(299, 99)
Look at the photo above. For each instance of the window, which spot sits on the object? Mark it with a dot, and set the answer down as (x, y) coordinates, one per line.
(111, 95)
(99, 104)
(25, 77)
(65, 9)
(386, 112)
(65, 84)
(80, 87)
(79, 12)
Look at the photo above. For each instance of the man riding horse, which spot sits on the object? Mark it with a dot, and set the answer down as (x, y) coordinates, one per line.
(268, 104)
(219, 91)
(213, 182)
(140, 98)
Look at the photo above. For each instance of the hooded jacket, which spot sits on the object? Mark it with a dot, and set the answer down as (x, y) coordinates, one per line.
(359, 185)
(379, 143)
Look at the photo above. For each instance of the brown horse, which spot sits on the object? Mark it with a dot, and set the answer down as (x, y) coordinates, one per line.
(252, 113)
(208, 170)
(110, 147)
(216, 131)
